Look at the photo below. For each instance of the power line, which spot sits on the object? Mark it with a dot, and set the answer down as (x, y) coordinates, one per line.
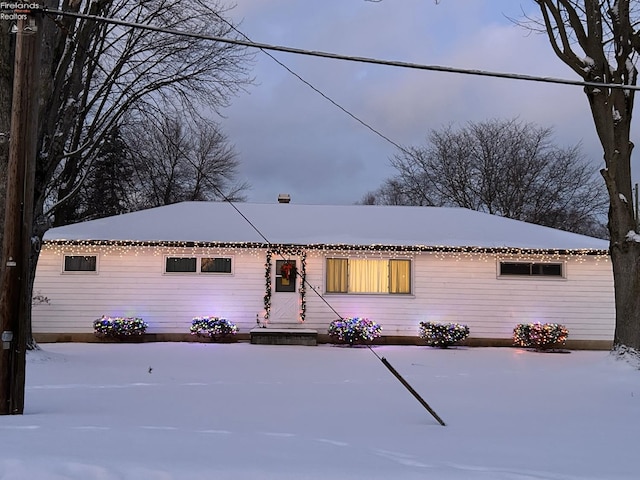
(337, 56)
(317, 90)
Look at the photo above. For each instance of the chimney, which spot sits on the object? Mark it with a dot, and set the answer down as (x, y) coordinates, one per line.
(284, 198)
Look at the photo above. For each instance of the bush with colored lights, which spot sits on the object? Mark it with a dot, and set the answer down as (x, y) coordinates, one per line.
(540, 335)
(443, 335)
(119, 327)
(213, 327)
(354, 330)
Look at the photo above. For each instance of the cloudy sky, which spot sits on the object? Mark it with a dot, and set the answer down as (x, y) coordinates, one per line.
(291, 140)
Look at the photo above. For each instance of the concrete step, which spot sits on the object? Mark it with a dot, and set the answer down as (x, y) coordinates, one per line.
(284, 334)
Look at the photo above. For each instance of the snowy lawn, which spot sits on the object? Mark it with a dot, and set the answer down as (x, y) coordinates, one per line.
(165, 411)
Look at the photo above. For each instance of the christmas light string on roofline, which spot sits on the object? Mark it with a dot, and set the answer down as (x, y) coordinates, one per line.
(128, 247)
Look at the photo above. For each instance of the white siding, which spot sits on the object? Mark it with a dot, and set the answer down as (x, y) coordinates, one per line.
(446, 288)
(466, 289)
(134, 285)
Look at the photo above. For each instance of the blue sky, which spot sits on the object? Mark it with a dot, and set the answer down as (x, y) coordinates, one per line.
(291, 140)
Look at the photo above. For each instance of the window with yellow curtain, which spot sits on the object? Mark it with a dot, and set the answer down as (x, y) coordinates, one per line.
(368, 276)
(337, 269)
(399, 276)
(364, 275)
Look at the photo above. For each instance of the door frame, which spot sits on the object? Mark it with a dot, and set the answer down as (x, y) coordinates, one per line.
(285, 305)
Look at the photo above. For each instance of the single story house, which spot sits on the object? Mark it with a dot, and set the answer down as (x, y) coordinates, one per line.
(285, 264)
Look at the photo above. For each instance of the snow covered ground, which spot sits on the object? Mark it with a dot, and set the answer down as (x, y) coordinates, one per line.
(163, 411)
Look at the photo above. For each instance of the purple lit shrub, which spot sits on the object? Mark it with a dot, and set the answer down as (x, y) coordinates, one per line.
(119, 327)
(354, 330)
(540, 336)
(443, 335)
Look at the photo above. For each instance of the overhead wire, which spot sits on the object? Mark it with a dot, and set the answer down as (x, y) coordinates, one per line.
(315, 89)
(337, 56)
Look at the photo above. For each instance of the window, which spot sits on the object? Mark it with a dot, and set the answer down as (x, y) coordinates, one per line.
(337, 275)
(286, 275)
(204, 265)
(215, 265)
(80, 263)
(399, 276)
(531, 269)
(180, 264)
(363, 275)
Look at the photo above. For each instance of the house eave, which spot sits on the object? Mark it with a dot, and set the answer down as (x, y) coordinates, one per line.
(377, 248)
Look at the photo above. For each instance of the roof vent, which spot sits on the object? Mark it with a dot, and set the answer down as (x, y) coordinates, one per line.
(284, 198)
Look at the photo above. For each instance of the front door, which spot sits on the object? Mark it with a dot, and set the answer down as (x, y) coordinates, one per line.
(285, 297)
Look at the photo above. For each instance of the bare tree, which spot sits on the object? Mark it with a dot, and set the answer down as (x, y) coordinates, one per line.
(157, 161)
(600, 41)
(94, 73)
(506, 168)
(176, 161)
(103, 72)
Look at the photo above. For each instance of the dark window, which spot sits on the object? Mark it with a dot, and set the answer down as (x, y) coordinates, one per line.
(180, 264)
(515, 268)
(553, 269)
(531, 269)
(215, 265)
(80, 263)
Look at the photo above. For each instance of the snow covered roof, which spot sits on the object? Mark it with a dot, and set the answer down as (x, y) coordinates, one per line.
(366, 225)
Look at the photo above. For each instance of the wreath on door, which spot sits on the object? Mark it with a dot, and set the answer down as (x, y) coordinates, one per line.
(286, 270)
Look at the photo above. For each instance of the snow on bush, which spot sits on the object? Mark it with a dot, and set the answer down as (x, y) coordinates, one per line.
(119, 327)
(354, 330)
(213, 327)
(540, 336)
(443, 335)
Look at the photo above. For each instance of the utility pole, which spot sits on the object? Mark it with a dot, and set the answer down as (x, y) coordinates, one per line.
(16, 247)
